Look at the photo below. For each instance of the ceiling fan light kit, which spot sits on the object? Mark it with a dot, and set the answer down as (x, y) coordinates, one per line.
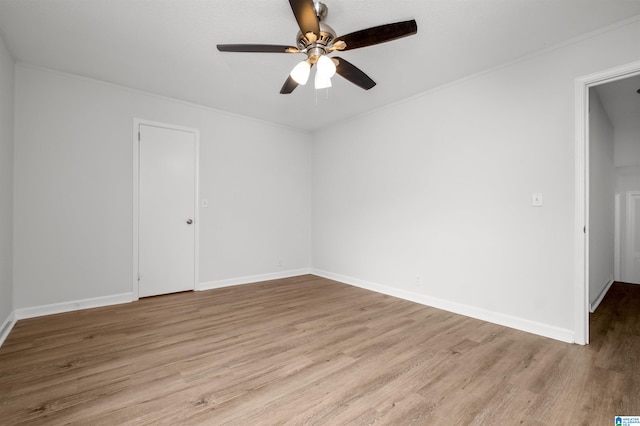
(300, 73)
(321, 81)
(317, 40)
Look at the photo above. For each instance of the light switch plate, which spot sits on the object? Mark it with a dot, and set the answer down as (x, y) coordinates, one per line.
(536, 199)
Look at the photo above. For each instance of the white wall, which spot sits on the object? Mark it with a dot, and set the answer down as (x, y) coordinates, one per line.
(627, 135)
(440, 186)
(6, 184)
(627, 161)
(601, 198)
(73, 189)
(627, 179)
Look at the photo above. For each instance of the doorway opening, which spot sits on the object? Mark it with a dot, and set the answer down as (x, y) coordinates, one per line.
(588, 193)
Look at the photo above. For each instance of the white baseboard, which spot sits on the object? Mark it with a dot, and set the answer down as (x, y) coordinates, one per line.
(596, 303)
(96, 302)
(210, 285)
(7, 326)
(57, 308)
(517, 323)
(116, 299)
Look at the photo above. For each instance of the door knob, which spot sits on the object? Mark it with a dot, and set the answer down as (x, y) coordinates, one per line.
(189, 221)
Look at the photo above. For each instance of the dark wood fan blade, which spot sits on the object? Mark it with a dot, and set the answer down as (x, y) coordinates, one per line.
(288, 86)
(353, 74)
(380, 34)
(260, 48)
(305, 14)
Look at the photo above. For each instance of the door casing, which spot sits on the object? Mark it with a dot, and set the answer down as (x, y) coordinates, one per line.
(581, 205)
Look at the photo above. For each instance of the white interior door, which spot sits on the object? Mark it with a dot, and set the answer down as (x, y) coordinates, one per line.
(633, 238)
(167, 204)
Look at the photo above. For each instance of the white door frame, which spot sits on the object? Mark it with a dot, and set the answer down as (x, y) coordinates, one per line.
(581, 222)
(630, 232)
(136, 199)
(617, 238)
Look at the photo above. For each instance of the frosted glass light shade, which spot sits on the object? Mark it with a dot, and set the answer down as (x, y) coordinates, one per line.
(300, 73)
(322, 82)
(326, 67)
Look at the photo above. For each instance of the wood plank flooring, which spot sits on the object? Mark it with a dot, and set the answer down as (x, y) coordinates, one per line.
(307, 350)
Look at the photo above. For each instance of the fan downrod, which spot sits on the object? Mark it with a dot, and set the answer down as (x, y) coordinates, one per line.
(321, 10)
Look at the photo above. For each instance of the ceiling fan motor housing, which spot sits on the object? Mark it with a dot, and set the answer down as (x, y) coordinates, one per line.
(316, 44)
(309, 40)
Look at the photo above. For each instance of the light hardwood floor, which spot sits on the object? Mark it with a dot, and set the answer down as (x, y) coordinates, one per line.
(307, 350)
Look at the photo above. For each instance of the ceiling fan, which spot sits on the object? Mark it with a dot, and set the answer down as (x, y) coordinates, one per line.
(317, 40)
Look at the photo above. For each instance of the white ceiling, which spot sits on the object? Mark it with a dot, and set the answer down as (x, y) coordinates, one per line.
(168, 46)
